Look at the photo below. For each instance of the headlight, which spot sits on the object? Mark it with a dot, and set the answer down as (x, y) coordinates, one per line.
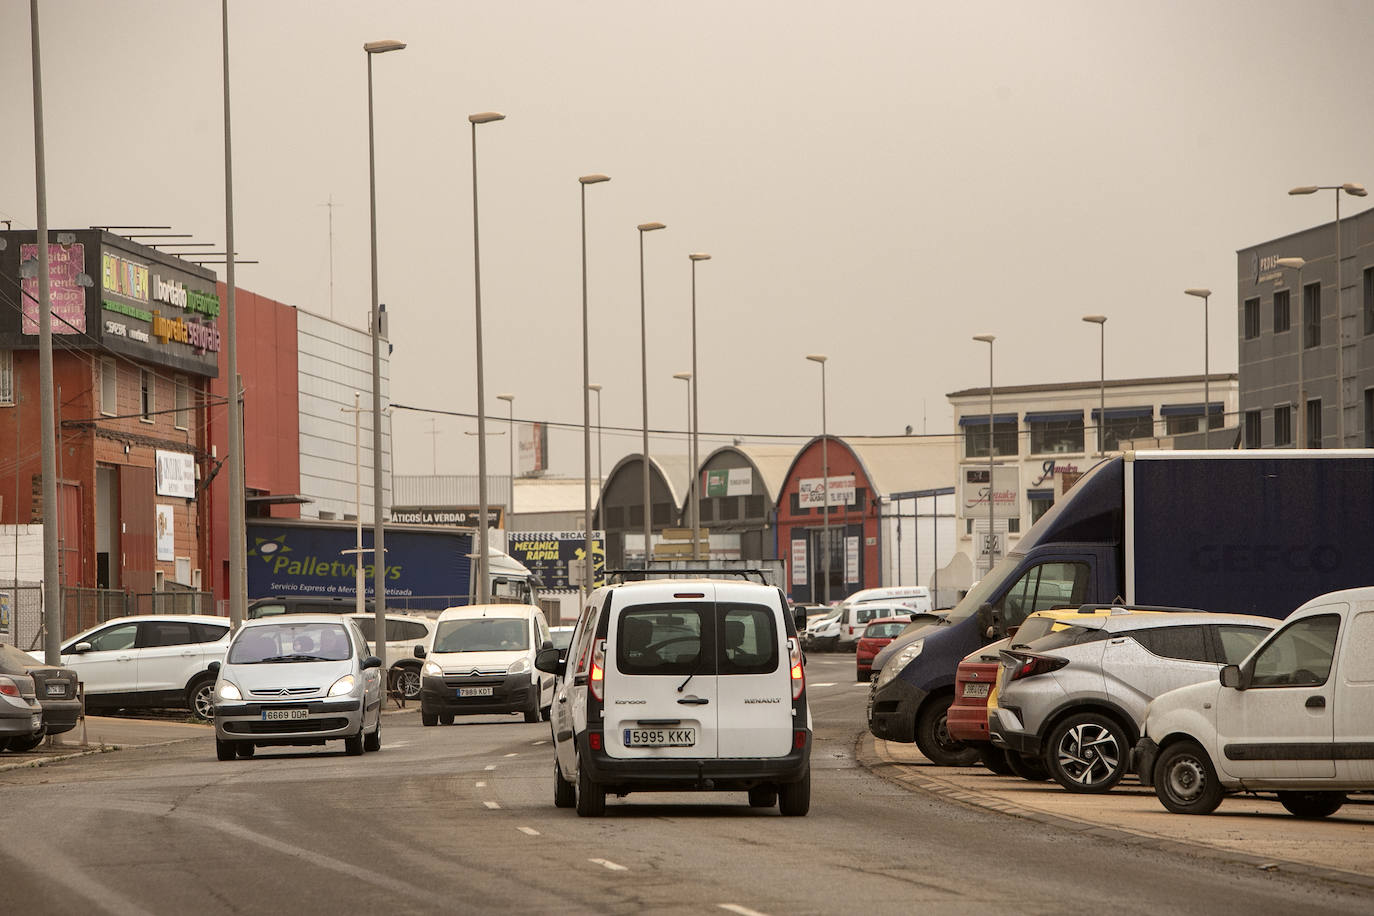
(519, 666)
(228, 691)
(894, 665)
(433, 670)
(342, 686)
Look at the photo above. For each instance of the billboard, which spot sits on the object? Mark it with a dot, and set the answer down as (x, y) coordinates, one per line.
(811, 492)
(549, 554)
(729, 482)
(461, 516)
(973, 491)
(534, 449)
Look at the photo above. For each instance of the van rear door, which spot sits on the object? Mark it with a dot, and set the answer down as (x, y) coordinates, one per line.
(754, 682)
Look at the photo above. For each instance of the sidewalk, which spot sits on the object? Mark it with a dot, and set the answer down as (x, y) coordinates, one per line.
(1244, 830)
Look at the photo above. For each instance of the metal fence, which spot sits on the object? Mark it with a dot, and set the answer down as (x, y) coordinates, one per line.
(21, 614)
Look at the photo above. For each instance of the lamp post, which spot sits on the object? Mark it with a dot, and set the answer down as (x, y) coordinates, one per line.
(359, 580)
(1298, 264)
(597, 388)
(644, 385)
(1354, 189)
(586, 402)
(825, 486)
(378, 526)
(694, 488)
(1101, 322)
(510, 431)
(1204, 295)
(992, 448)
(483, 561)
(687, 377)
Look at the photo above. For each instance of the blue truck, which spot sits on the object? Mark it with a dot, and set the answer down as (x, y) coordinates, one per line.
(1252, 532)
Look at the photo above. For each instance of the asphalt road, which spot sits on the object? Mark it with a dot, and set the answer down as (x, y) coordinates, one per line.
(461, 819)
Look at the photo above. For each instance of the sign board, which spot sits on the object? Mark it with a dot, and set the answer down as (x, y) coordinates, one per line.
(534, 449)
(729, 482)
(165, 532)
(553, 555)
(176, 474)
(991, 543)
(799, 562)
(811, 492)
(459, 516)
(974, 489)
(851, 559)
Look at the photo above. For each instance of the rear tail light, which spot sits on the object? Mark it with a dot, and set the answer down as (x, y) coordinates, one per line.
(594, 740)
(799, 739)
(8, 687)
(596, 680)
(794, 656)
(1027, 665)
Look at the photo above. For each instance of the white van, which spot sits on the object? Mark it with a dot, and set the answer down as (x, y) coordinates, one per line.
(680, 685)
(1293, 718)
(480, 659)
(860, 607)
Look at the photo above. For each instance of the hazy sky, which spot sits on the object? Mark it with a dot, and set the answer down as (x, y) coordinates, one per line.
(874, 180)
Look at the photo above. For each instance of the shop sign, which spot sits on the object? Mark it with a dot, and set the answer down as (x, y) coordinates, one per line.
(165, 529)
(124, 277)
(176, 474)
(811, 492)
(974, 492)
(534, 449)
(66, 266)
(851, 559)
(1050, 468)
(551, 554)
(458, 516)
(730, 482)
(799, 562)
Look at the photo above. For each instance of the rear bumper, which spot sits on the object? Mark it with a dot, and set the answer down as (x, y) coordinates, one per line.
(60, 715)
(892, 710)
(968, 722)
(1143, 757)
(687, 774)
(1003, 730)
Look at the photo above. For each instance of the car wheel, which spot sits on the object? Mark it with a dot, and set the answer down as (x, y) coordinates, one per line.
(1185, 781)
(353, 744)
(933, 737)
(591, 798)
(445, 718)
(564, 792)
(224, 750)
(1310, 805)
(20, 745)
(532, 715)
(245, 749)
(545, 713)
(794, 798)
(200, 698)
(1087, 753)
(1028, 767)
(995, 759)
(763, 797)
(408, 681)
(373, 742)
(429, 718)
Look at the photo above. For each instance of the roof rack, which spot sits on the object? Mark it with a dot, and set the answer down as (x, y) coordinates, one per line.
(1114, 608)
(615, 576)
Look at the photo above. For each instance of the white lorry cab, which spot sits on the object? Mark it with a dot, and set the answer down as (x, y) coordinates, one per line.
(1292, 718)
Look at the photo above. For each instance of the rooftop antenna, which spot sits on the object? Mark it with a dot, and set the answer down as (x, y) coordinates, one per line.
(330, 205)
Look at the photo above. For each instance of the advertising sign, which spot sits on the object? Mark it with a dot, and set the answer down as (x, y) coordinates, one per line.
(66, 267)
(165, 529)
(799, 562)
(851, 559)
(729, 482)
(550, 554)
(811, 492)
(459, 516)
(534, 449)
(1006, 492)
(176, 474)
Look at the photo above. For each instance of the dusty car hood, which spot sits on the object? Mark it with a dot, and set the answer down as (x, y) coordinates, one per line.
(464, 662)
(285, 675)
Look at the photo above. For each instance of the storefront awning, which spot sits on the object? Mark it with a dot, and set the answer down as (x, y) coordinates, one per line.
(1053, 416)
(1186, 410)
(982, 419)
(1123, 413)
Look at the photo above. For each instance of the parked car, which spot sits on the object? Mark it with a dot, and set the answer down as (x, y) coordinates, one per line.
(1077, 697)
(877, 634)
(561, 637)
(855, 617)
(21, 716)
(481, 660)
(822, 631)
(919, 623)
(1292, 718)
(681, 685)
(56, 691)
(149, 662)
(404, 632)
(298, 680)
(305, 604)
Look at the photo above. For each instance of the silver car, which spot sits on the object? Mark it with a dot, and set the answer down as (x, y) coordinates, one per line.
(21, 716)
(299, 679)
(1077, 697)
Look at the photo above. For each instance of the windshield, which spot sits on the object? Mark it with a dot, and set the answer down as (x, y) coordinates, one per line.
(1034, 628)
(984, 589)
(482, 634)
(561, 637)
(291, 642)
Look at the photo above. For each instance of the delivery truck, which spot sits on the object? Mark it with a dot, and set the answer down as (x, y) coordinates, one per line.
(1250, 532)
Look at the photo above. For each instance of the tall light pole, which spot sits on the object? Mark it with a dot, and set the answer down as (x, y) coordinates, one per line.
(992, 448)
(1298, 264)
(590, 563)
(1101, 322)
(825, 487)
(1204, 295)
(483, 561)
(597, 389)
(378, 522)
(687, 377)
(360, 581)
(694, 488)
(1354, 189)
(644, 385)
(510, 431)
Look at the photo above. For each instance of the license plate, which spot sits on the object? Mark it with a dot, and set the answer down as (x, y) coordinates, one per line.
(976, 690)
(475, 691)
(660, 737)
(57, 690)
(272, 714)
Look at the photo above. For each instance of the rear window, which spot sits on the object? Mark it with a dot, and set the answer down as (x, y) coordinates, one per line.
(1186, 643)
(884, 630)
(208, 632)
(482, 634)
(749, 639)
(1070, 636)
(166, 633)
(666, 639)
(1238, 642)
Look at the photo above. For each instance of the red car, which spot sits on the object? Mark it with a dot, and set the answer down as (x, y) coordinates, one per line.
(879, 633)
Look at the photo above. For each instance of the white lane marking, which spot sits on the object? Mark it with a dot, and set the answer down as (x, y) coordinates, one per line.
(608, 865)
(528, 831)
(512, 754)
(539, 742)
(490, 766)
(481, 785)
(823, 685)
(492, 805)
(861, 684)
(741, 910)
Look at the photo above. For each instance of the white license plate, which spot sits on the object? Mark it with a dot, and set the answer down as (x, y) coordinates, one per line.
(475, 691)
(57, 690)
(976, 690)
(660, 737)
(271, 714)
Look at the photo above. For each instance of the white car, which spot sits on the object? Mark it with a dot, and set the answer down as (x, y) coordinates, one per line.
(149, 661)
(1292, 718)
(481, 660)
(682, 685)
(404, 634)
(854, 618)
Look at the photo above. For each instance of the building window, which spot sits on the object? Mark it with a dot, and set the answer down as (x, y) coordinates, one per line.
(146, 388)
(1282, 319)
(1251, 319)
(109, 386)
(1283, 426)
(1040, 502)
(182, 418)
(6, 378)
(1013, 526)
(1368, 303)
(976, 437)
(1312, 315)
(1056, 435)
(1114, 429)
(1180, 420)
(1314, 424)
(1252, 429)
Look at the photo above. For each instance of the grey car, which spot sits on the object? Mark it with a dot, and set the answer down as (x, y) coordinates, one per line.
(21, 717)
(296, 680)
(1077, 697)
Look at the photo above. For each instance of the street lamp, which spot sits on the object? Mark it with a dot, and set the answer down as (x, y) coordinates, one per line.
(687, 377)
(510, 427)
(1354, 189)
(1204, 295)
(1298, 264)
(371, 49)
(644, 385)
(992, 537)
(359, 578)
(825, 487)
(1101, 322)
(483, 561)
(597, 388)
(694, 488)
(586, 401)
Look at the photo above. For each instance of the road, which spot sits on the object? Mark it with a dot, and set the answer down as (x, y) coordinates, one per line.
(461, 819)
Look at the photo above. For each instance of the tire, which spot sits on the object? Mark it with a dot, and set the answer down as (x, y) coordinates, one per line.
(373, 741)
(564, 792)
(532, 715)
(763, 797)
(1307, 805)
(1031, 769)
(445, 718)
(200, 698)
(353, 744)
(1088, 753)
(1185, 780)
(995, 759)
(224, 750)
(245, 749)
(428, 719)
(20, 745)
(794, 798)
(408, 681)
(591, 798)
(545, 713)
(933, 738)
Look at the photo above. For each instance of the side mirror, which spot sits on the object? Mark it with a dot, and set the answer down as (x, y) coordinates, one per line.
(1231, 677)
(989, 622)
(213, 668)
(420, 652)
(80, 648)
(548, 644)
(372, 661)
(547, 660)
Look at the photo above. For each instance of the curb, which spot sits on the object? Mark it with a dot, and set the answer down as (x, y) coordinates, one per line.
(877, 761)
(87, 752)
